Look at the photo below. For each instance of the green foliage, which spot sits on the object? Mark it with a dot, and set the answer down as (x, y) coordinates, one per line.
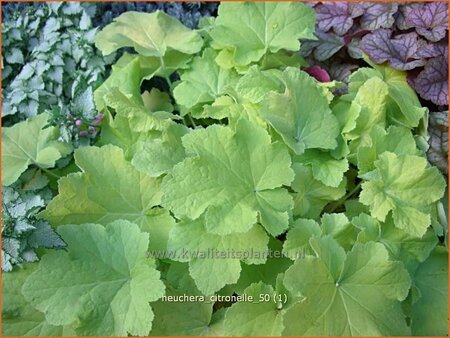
(347, 294)
(105, 280)
(131, 195)
(19, 316)
(50, 64)
(48, 56)
(22, 232)
(404, 185)
(155, 34)
(30, 142)
(261, 28)
(429, 303)
(246, 178)
(235, 188)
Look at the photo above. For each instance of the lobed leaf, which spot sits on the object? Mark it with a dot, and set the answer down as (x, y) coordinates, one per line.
(30, 143)
(150, 34)
(261, 28)
(105, 279)
(404, 185)
(301, 115)
(349, 294)
(131, 195)
(233, 176)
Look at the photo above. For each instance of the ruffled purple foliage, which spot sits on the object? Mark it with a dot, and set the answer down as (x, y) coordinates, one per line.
(408, 36)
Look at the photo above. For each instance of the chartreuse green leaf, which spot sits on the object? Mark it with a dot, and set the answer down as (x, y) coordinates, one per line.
(107, 189)
(370, 103)
(346, 294)
(141, 118)
(234, 176)
(150, 34)
(19, 318)
(156, 100)
(336, 225)
(226, 107)
(254, 85)
(402, 246)
(182, 318)
(117, 131)
(252, 30)
(214, 260)
(159, 155)
(267, 273)
(126, 77)
(402, 104)
(404, 185)
(104, 282)
(132, 69)
(429, 314)
(27, 143)
(301, 115)
(311, 195)
(327, 169)
(258, 318)
(397, 140)
(298, 236)
(203, 82)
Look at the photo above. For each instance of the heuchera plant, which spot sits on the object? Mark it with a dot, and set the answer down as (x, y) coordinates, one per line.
(408, 36)
(245, 154)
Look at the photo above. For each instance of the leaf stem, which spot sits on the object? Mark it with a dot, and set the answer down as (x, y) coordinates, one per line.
(183, 119)
(48, 172)
(192, 120)
(341, 201)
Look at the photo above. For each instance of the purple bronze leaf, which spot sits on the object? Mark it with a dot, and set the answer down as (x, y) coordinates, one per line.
(341, 71)
(404, 11)
(337, 16)
(400, 52)
(354, 48)
(378, 15)
(318, 73)
(328, 45)
(430, 50)
(438, 152)
(432, 82)
(429, 19)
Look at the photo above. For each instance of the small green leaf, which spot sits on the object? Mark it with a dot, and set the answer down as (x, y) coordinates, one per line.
(311, 195)
(402, 104)
(402, 246)
(150, 34)
(117, 131)
(203, 82)
(159, 156)
(105, 280)
(253, 29)
(301, 115)
(19, 318)
(404, 185)
(257, 318)
(429, 315)
(155, 100)
(233, 176)
(131, 195)
(214, 260)
(141, 118)
(14, 56)
(397, 140)
(126, 77)
(352, 294)
(29, 142)
(327, 169)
